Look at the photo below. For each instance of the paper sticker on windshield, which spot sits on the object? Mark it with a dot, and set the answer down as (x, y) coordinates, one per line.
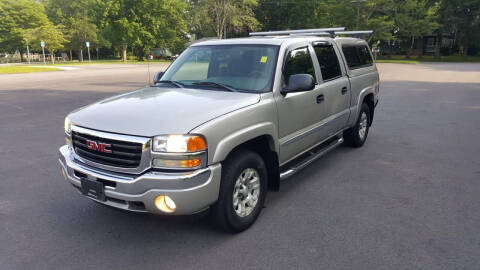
(263, 59)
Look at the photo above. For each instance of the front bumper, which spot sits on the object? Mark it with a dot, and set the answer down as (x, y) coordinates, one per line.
(191, 191)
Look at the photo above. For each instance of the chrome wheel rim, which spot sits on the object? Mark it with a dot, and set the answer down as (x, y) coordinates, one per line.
(246, 192)
(362, 131)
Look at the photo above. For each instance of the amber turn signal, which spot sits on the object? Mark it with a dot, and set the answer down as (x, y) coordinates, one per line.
(196, 143)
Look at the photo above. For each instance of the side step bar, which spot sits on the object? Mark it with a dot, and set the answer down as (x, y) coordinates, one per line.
(312, 156)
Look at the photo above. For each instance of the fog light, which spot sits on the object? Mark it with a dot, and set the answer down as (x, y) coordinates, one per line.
(165, 204)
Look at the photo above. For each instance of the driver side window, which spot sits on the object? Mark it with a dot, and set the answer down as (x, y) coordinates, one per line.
(298, 61)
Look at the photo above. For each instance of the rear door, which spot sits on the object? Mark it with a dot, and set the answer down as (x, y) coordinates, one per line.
(336, 87)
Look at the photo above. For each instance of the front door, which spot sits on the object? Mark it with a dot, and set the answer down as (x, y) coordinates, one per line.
(299, 113)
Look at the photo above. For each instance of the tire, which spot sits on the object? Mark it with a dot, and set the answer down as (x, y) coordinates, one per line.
(242, 166)
(357, 135)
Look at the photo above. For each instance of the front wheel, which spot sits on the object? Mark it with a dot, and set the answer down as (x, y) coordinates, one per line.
(357, 135)
(242, 191)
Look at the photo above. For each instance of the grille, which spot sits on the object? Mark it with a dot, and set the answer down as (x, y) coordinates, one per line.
(124, 154)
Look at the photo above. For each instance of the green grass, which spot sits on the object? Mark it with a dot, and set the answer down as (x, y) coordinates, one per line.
(428, 58)
(398, 61)
(93, 62)
(24, 69)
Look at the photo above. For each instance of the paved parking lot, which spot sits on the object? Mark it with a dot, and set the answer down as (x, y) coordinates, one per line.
(409, 199)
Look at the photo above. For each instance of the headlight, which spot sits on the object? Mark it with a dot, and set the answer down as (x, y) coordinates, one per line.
(179, 143)
(67, 125)
(179, 152)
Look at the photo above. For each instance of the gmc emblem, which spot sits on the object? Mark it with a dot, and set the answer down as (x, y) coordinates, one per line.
(98, 146)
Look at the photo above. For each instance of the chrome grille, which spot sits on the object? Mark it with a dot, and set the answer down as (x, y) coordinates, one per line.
(123, 154)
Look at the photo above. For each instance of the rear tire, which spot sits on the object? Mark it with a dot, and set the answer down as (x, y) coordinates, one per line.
(357, 135)
(242, 191)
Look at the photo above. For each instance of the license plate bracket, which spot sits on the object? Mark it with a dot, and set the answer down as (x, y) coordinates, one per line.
(93, 189)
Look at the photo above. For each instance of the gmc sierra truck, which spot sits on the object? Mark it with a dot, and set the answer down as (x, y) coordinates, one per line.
(224, 124)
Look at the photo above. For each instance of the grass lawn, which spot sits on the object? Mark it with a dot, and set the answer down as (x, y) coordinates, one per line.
(24, 69)
(398, 61)
(93, 62)
(428, 58)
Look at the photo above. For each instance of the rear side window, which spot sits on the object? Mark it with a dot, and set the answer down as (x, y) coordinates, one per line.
(328, 60)
(298, 62)
(365, 56)
(357, 56)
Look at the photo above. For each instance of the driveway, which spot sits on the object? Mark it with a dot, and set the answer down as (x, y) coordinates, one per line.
(408, 199)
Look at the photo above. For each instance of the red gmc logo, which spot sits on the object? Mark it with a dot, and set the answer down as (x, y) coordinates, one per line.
(98, 146)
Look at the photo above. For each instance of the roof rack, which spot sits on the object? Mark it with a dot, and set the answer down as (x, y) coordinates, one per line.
(312, 32)
(300, 31)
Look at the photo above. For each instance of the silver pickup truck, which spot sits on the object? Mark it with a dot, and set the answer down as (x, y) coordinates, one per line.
(226, 122)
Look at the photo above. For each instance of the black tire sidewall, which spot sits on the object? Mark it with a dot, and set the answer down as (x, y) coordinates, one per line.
(231, 171)
(365, 109)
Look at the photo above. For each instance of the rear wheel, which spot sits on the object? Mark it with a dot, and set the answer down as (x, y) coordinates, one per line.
(242, 191)
(357, 135)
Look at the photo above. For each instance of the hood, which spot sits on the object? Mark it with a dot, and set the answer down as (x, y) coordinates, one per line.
(154, 110)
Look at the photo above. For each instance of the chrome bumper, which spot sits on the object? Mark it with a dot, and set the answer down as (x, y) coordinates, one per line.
(191, 191)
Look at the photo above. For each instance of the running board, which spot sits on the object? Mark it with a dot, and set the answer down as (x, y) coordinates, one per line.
(312, 156)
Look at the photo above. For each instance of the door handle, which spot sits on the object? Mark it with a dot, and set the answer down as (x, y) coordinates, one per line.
(320, 98)
(344, 90)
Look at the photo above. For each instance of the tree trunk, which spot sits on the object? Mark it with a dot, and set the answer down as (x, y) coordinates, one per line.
(52, 57)
(422, 44)
(21, 55)
(124, 52)
(80, 55)
(71, 57)
(438, 43)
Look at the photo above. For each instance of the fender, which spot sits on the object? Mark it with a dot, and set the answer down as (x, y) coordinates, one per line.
(228, 143)
(355, 110)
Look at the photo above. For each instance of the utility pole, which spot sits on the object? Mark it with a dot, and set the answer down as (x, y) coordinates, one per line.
(88, 48)
(358, 11)
(42, 44)
(28, 53)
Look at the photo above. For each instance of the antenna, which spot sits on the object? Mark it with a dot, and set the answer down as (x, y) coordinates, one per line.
(148, 71)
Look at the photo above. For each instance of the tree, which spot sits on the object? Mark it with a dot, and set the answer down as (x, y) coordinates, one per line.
(17, 19)
(76, 18)
(415, 18)
(461, 19)
(220, 17)
(52, 37)
(144, 24)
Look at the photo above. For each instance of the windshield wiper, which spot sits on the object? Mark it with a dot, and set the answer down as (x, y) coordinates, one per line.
(177, 84)
(218, 85)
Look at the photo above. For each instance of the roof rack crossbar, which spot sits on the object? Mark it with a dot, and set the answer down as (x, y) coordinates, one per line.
(313, 32)
(300, 31)
(365, 32)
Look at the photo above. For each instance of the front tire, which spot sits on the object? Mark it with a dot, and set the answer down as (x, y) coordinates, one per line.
(242, 191)
(357, 135)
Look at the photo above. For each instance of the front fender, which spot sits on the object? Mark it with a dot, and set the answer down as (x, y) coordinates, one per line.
(228, 143)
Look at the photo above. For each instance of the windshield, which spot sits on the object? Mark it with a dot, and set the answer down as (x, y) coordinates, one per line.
(248, 68)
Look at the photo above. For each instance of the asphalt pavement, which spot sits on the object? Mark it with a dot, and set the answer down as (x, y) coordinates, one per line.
(408, 199)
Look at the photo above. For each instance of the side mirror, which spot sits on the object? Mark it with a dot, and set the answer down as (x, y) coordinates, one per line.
(157, 77)
(299, 83)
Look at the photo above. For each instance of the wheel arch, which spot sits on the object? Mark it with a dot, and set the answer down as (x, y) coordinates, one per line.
(266, 146)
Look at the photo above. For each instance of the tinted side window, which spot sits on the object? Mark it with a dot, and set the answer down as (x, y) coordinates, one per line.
(357, 56)
(327, 58)
(298, 62)
(365, 56)
(351, 56)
